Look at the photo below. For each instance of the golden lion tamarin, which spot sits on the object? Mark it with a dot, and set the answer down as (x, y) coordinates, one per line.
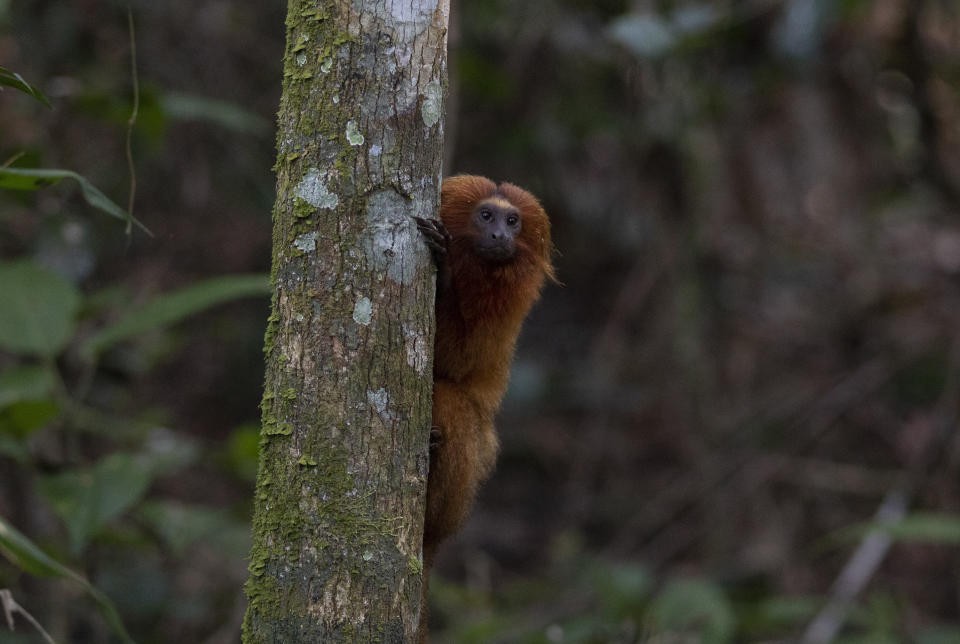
(492, 249)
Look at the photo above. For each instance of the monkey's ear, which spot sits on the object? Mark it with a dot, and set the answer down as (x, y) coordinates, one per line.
(536, 224)
(548, 268)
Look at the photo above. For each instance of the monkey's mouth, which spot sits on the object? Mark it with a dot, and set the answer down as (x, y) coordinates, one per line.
(496, 252)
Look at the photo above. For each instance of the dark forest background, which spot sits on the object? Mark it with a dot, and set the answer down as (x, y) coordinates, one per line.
(754, 352)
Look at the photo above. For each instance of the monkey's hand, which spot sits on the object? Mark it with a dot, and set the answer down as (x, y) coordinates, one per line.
(436, 236)
(438, 241)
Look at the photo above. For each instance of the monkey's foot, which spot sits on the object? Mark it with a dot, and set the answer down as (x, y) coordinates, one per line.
(436, 438)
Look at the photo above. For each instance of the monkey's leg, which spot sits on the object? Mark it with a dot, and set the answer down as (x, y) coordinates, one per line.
(460, 459)
(463, 448)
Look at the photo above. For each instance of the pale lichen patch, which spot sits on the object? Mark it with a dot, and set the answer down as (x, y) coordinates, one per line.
(306, 242)
(416, 347)
(314, 191)
(405, 12)
(392, 244)
(432, 108)
(362, 311)
(380, 401)
(353, 134)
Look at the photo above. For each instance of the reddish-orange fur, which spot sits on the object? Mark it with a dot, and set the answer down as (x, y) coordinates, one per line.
(479, 315)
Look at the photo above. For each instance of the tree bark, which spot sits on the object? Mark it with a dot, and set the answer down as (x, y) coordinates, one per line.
(339, 504)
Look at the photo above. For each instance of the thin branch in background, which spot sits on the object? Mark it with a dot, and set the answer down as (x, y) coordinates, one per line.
(12, 160)
(870, 554)
(10, 607)
(605, 357)
(133, 118)
(229, 631)
(858, 572)
(811, 418)
(921, 72)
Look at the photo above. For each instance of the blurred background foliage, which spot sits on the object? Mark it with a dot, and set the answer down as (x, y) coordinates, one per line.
(752, 359)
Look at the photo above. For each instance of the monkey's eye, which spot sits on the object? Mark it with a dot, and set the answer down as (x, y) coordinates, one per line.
(485, 215)
(512, 220)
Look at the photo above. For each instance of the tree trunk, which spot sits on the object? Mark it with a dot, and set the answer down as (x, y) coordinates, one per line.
(339, 508)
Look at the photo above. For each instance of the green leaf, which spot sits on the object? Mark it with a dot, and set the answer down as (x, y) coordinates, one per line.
(175, 306)
(693, 607)
(622, 587)
(25, 382)
(651, 35)
(24, 417)
(88, 498)
(222, 113)
(36, 178)
(927, 528)
(939, 634)
(27, 556)
(165, 452)
(761, 616)
(14, 449)
(181, 525)
(920, 527)
(242, 452)
(37, 316)
(646, 35)
(15, 80)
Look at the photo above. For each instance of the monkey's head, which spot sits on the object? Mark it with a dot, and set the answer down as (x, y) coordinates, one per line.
(499, 224)
(496, 225)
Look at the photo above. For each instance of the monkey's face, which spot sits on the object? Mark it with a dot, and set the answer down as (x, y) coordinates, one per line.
(496, 224)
